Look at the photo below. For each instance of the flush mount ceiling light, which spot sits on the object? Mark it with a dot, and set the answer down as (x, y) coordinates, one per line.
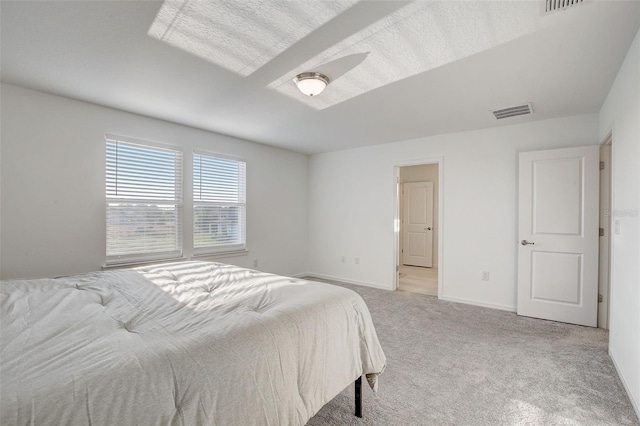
(311, 83)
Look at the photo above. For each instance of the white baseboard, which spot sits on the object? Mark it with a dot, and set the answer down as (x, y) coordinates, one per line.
(344, 280)
(382, 287)
(479, 303)
(300, 275)
(634, 403)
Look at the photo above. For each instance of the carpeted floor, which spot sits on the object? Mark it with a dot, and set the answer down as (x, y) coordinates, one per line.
(456, 364)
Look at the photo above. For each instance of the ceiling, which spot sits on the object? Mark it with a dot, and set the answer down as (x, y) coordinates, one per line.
(398, 69)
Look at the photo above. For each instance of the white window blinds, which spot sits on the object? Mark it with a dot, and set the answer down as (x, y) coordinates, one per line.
(144, 201)
(219, 204)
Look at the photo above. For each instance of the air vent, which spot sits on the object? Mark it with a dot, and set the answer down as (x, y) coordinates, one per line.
(550, 6)
(513, 111)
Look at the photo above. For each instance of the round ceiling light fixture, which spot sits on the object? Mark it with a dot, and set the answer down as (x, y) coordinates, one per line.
(311, 83)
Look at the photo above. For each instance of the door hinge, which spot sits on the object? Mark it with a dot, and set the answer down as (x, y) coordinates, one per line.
(602, 165)
(599, 298)
(602, 232)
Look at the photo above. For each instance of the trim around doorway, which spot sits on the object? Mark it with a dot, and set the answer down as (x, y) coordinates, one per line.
(396, 219)
(605, 246)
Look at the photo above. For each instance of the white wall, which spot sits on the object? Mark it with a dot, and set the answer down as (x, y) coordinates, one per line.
(53, 186)
(425, 173)
(621, 115)
(351, 206)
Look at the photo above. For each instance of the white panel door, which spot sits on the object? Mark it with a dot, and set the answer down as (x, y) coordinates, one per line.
(418, 224)
(558, 235)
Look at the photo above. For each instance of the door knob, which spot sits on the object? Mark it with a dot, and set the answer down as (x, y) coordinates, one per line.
(525, 242)
(427, 229)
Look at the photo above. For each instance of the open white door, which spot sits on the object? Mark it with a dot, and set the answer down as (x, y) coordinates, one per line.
(417, 235)
(558, 235)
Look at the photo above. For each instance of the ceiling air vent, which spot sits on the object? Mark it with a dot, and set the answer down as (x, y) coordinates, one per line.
(513, 111)
(550, 6)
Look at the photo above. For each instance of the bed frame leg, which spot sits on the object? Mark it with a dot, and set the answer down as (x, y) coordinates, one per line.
(359, 397)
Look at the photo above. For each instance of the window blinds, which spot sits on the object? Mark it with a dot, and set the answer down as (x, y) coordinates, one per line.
(144, 201)
(219, 204)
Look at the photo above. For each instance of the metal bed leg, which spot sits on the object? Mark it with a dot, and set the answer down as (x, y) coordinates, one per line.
(359, 397)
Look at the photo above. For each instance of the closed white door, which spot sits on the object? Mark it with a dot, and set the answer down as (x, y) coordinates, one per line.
(558, 235)
(418, 224)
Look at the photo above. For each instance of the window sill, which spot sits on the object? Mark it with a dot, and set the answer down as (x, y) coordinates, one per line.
(220, 255)
(204, 256)
(142, 263)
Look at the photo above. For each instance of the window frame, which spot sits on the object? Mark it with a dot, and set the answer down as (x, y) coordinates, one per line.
(178, 202)
(223, 248)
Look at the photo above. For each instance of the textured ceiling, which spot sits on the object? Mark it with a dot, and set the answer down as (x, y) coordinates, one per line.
(240, 36)
(419, 37)
(400, 69)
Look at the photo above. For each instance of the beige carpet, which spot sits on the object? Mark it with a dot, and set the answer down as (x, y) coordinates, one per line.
(456, 364)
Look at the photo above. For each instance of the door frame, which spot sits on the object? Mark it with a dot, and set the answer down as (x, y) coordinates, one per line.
(396, 217)
(605, 288)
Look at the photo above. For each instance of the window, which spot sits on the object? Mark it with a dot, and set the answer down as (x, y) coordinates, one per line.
(144, 201)
(219, 204)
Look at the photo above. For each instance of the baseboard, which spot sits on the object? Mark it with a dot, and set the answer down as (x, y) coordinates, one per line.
(300, 275)
(379, 286)
(634, 403)
(479, 303)
(344, 280)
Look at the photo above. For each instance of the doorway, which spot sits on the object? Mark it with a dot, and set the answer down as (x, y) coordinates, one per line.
(418, 216)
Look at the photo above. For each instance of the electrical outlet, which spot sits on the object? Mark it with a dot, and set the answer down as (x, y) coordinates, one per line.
(344, 259)
(485, 276)
(357, 260)
(255, 263)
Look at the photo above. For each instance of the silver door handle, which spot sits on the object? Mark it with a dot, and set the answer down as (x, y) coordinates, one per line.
(525, 242)
(427, 229)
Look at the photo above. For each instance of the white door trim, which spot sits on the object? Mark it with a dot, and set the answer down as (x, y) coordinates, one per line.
(396, 219)
(604, 288)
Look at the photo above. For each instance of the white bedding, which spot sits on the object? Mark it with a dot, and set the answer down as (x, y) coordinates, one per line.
(192, 343)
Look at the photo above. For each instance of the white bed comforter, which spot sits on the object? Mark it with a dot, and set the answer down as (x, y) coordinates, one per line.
(193, 343)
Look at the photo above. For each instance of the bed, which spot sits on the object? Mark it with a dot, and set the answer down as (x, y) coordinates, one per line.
(187, 343)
